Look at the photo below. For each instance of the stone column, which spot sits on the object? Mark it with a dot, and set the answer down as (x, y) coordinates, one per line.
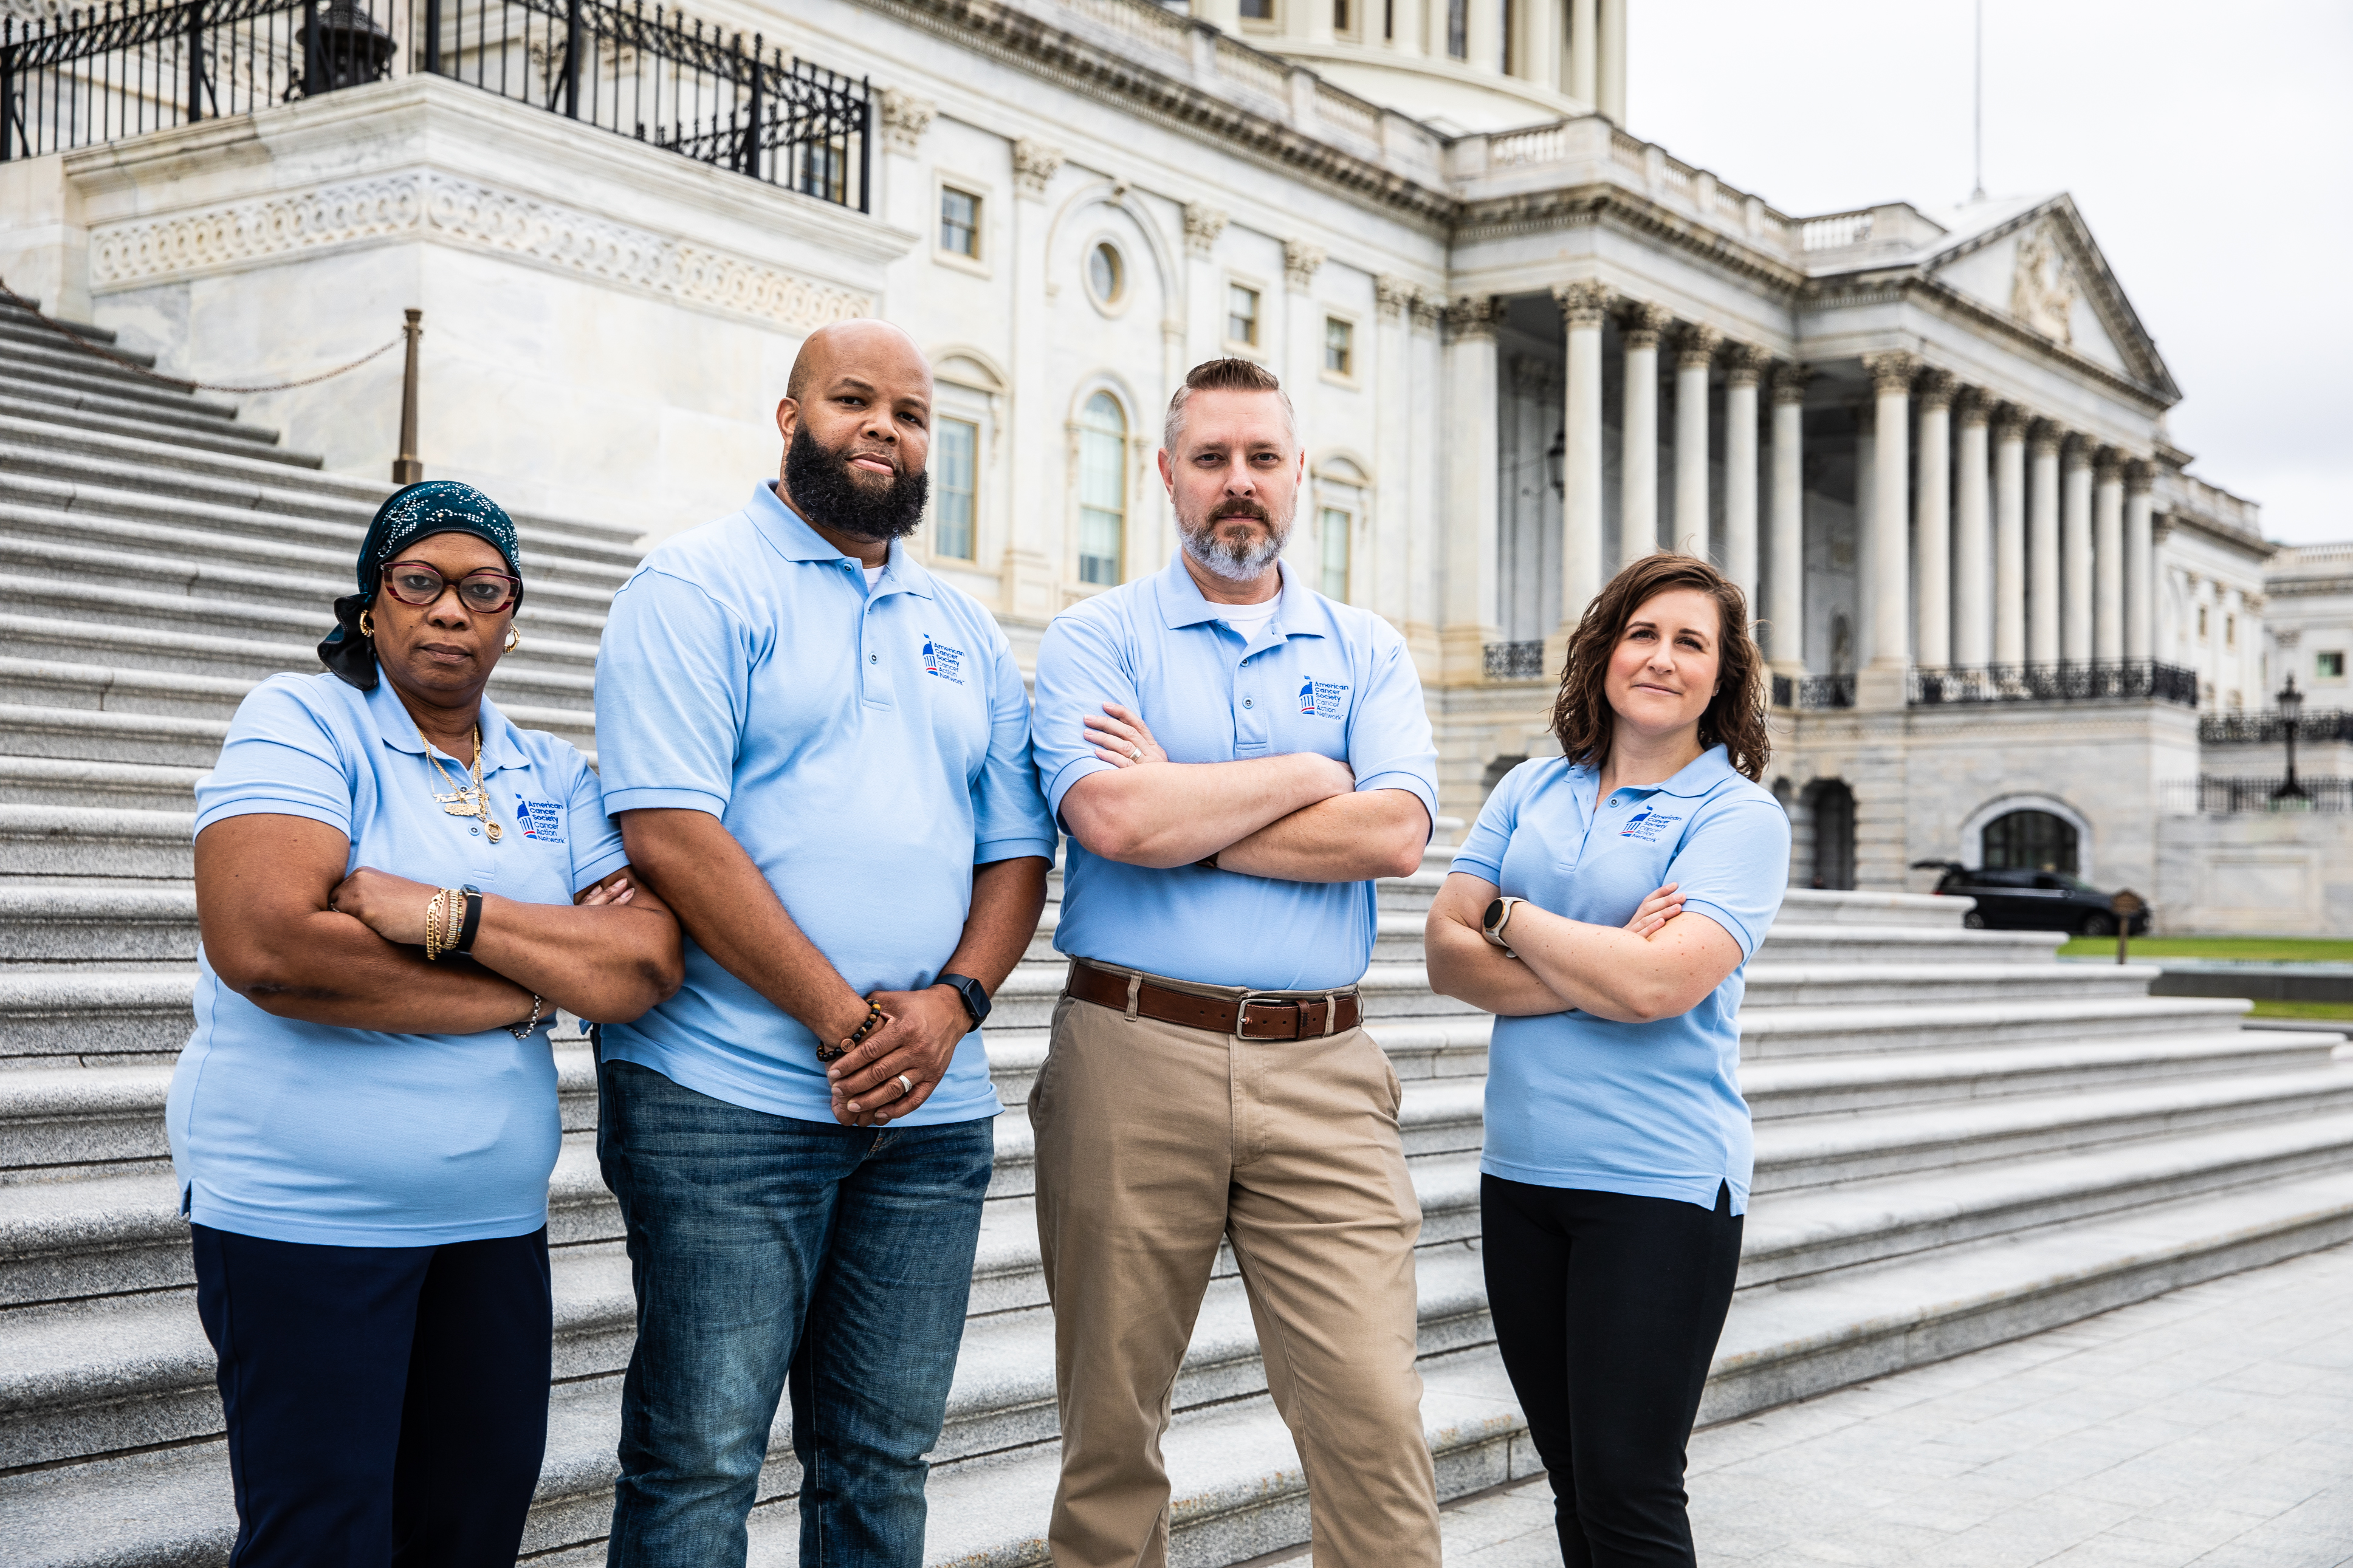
(2075, 551)
(2043, 584)
(1866, 540)
(1786, 610)
(1472, 487)
(1223, 15)
(1581, 307)
(1302, 323)
(1036, 554)
(1932, 572)
(1693, 361)
(2139, 562)
(1745, 368)
(1537, 53)
(1972, 540)
(1891, 578)
(1638, 465)
(1584, 54)
(1204, 284)
(1610, 95)
(1483, 34)
(1412, 28)
(2010, 536)
(1392, 499)
(2108, 558)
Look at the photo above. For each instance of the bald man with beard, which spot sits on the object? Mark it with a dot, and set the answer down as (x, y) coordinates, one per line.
(819, 755)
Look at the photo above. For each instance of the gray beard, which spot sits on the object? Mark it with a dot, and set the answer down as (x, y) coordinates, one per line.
(1221, 560)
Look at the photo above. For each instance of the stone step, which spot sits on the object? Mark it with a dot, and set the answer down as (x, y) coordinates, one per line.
(1847, 980)
(26, 321)
(50, 683)
(86, 1014)
(1821, 1150)
(168, 419)
(238, 440)
(64, 841)
(87, 921)
(1769, 1033)
(94, 735)
(129, 786)
(1793, 940)
(51, 361)
(52, 635)
(84, 515)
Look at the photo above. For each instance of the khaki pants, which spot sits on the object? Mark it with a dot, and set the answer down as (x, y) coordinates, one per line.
(1154, 1141)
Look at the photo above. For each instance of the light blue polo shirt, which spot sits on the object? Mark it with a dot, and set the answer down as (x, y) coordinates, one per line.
(342, 1137)
(1652, 1110)
(866, 749)
(1317, 677)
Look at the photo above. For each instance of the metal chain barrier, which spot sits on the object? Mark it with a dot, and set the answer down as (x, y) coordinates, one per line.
(90, 348)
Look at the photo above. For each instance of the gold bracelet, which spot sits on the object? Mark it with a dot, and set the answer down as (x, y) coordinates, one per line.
(453, 917)
(433, 907)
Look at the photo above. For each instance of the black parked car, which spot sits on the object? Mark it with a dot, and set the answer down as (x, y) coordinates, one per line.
(2014, 900)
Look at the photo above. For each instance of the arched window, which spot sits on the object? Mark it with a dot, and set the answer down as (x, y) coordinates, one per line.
(1102, 490)
(1830, 810)
(2031, 841)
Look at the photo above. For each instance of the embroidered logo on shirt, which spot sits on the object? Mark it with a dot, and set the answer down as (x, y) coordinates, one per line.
(1322, 698)
(539, 819)
(1646, 825)
(941, 660)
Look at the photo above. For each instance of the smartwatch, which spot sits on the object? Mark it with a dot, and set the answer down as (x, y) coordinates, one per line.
(976, 998)
(1499, 915)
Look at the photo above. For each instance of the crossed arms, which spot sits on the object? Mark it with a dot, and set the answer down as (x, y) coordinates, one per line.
(1660, 964)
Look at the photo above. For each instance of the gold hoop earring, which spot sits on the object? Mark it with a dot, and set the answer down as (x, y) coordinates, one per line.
(367, 625)
(515, 637)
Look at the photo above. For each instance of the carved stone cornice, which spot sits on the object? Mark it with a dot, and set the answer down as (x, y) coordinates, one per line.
(1203, 224)
(1034, 164)
(1473, 316)
(1789, 383)
(905, 117)
(1300, 260)
(1696, 349)
(1891, 373)
(1743, 364)
(1584, 302)
(1972, 406)
(2044, 437)
(1642, 323)
(1935, 388)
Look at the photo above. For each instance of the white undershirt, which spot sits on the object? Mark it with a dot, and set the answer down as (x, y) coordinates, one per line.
(1247, 619)
(873, 575)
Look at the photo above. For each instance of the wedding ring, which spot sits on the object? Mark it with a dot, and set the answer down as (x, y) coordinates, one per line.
(1135, 753)
(906, 1085)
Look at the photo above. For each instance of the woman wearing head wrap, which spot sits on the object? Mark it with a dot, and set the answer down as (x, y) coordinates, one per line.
(396, 889)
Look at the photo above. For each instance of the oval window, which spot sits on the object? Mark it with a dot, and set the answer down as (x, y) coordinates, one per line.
(1106, 274)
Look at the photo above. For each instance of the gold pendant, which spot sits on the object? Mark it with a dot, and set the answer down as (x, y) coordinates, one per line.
(460, 803)
(491, 830)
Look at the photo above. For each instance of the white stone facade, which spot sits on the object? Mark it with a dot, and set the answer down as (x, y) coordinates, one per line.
(1525, 347)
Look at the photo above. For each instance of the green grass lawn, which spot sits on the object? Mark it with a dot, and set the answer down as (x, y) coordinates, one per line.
(2262, 949)
(2324, 1010)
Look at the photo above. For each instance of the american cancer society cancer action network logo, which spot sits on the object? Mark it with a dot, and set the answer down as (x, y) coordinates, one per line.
(539, 819)
(1322, 698)
(941, 660)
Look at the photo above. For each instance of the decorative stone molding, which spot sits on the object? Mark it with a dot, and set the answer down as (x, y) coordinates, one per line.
(2044, 437)
(2042, 287)
(1643, 324)
(1203, 224)
(1971, 405)
(1743, 364)
(1935, 388)
(1300, 260)
(905, 117)
(1700, 342)
(2010, 423)
(1891, 373)
(1789, 383)
(2140, 477)
(1473, 316)
(1034, 164)
(2109, 464)
(2288, 636)
(2078, 450)
(1428, 309)
(1393, 295)
(435, 207)
(1584, 302)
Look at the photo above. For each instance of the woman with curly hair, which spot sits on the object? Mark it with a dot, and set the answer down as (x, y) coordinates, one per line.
(1618, 1152)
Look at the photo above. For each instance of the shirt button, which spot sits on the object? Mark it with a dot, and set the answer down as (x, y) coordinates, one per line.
(1246, 703)
(873, 658)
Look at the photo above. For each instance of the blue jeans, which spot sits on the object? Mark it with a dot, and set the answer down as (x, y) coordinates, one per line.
(768, 1250)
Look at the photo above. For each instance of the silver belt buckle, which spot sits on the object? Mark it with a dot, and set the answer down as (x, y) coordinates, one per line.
(1242, 1018)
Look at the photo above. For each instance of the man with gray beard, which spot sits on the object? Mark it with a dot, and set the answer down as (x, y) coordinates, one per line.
(1235, 758)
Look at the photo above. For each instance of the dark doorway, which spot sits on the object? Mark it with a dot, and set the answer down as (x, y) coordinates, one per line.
(1830, 806)
(2030, 841)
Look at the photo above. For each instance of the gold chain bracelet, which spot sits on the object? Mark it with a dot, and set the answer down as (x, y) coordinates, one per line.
(435, 917)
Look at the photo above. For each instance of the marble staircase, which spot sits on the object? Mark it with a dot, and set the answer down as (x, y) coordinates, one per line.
(1960, 1141)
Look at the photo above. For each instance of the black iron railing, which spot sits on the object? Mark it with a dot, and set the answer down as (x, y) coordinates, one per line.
(2317, 727)
(89, 77)
(1826, 690)
(2215, 797)
(2125, 680)
(1514, 660)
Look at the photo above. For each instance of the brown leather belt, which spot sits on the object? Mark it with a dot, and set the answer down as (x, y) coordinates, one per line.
(1249, 1018)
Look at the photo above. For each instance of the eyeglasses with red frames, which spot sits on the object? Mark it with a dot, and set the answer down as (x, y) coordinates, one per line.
(485, 592)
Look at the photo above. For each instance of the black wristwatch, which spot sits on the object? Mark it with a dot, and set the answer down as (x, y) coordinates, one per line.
(975, 997)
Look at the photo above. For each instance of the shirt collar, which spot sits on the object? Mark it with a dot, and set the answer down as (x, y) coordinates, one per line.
(1182, 604)
(500, 747)
(791, 537)
(1704, 775)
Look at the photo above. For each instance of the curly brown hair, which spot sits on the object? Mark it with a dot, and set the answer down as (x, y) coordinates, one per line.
(1581, 715)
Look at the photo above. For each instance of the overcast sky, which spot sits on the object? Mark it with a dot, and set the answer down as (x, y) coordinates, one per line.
(2209, 147)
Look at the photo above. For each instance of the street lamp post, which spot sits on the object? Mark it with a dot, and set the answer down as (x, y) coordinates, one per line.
(2291, 708)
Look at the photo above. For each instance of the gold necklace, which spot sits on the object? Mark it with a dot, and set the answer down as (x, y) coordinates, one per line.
(465, 799)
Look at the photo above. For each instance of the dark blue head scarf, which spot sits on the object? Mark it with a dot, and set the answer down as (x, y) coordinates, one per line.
(436, 506)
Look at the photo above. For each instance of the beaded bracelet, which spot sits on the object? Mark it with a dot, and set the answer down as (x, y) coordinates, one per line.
(873, 1020)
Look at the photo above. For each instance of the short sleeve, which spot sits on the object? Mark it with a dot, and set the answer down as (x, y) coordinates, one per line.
(597, 849)
(281, 759)
(1483, 849)
(1733, 865)
(1389, 744)
(673, 686)
(1009, 818)
(1079, 670)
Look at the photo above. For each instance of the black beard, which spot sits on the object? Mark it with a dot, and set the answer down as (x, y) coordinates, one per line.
(825, 491)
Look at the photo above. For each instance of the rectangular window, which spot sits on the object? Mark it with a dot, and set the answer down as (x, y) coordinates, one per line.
(2328, 666)
(2229, 631)
(1258, 10)
(1103, 505)
(954, 444)
(1334, 527)
(1339, 346)
(1241, 314)
(1458, 28)
(1509, 61)
(2202, 622)
(1339, 16)
(1389, 18)
(959, 222)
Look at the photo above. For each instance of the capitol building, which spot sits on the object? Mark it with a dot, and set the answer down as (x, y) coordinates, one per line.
(2007, 624)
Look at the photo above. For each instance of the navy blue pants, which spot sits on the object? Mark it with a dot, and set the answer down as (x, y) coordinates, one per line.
(386, 1404)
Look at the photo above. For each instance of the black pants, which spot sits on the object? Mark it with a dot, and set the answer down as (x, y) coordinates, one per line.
(1607, 1311)
(386, 1404)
